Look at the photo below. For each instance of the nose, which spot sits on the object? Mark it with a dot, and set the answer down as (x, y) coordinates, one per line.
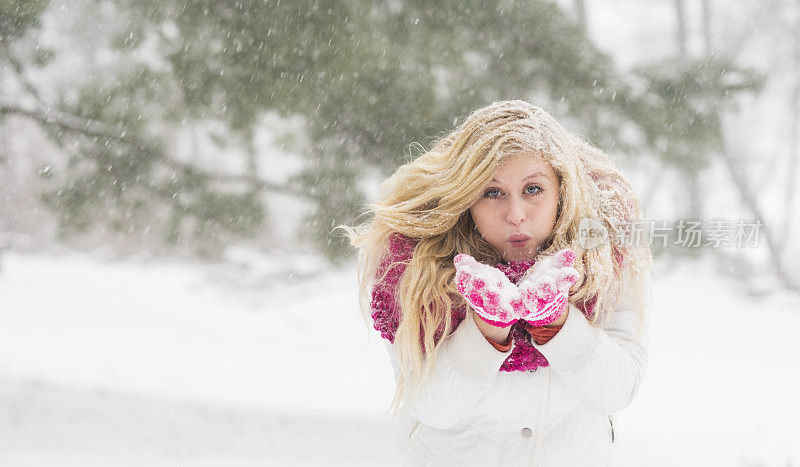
(515, 213)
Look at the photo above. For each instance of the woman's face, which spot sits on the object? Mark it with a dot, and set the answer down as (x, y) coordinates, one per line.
(518, 208)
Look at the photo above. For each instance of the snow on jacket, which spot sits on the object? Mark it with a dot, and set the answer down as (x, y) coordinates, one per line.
(560, 413)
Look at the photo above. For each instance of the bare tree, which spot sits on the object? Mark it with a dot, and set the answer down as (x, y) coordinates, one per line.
(794, 135)
(580, 13)
(706, 5)
(680, 16)
(794, 154)
(776, 241)
(691, 177)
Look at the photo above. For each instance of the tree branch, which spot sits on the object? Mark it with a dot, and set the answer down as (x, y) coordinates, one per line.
(19, 70)
(789, 281)
(55, 118)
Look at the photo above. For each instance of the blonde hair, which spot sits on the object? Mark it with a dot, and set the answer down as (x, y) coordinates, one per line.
(428, 199)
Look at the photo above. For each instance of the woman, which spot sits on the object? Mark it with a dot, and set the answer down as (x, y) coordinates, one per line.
(545, 337)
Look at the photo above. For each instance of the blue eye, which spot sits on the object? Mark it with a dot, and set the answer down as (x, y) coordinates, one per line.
(530, 187)
(492, 193)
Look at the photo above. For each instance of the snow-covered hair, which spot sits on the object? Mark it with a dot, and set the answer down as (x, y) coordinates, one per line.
(428, 199)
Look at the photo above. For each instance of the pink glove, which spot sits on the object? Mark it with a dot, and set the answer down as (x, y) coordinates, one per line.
(545, 288)
(493, 297)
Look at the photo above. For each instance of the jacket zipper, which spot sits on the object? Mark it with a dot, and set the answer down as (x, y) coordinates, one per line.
(611, 422)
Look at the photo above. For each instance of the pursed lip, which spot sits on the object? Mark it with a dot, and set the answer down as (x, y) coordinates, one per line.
(518, 238)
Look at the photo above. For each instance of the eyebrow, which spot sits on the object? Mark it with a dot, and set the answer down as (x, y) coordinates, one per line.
(537, 174)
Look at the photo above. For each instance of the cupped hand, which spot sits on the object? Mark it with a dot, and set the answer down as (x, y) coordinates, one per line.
(492, 296)
(545, 289)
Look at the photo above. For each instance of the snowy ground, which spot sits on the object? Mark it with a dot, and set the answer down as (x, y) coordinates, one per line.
(109, 363)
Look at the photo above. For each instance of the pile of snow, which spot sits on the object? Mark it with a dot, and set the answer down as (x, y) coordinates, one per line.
(162, 363)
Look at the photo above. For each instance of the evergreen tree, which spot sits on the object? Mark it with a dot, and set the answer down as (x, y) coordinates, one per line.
(368, 79)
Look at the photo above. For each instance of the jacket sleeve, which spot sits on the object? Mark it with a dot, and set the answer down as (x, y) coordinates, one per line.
(604, 367)
(465, 368)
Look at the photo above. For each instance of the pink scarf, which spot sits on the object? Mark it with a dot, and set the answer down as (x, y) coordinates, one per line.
(386, 310)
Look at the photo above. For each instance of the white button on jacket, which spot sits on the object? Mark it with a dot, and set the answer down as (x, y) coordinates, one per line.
(470, 413)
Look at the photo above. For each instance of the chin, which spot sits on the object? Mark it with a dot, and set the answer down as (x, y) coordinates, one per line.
(518, 256)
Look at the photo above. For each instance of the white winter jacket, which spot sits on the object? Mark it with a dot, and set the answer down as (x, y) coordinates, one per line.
(470, 413)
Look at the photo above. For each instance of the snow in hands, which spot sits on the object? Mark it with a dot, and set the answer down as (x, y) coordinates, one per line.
(545, 288)
(540, 298)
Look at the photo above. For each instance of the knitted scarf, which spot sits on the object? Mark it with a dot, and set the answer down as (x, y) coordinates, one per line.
(385, 309)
